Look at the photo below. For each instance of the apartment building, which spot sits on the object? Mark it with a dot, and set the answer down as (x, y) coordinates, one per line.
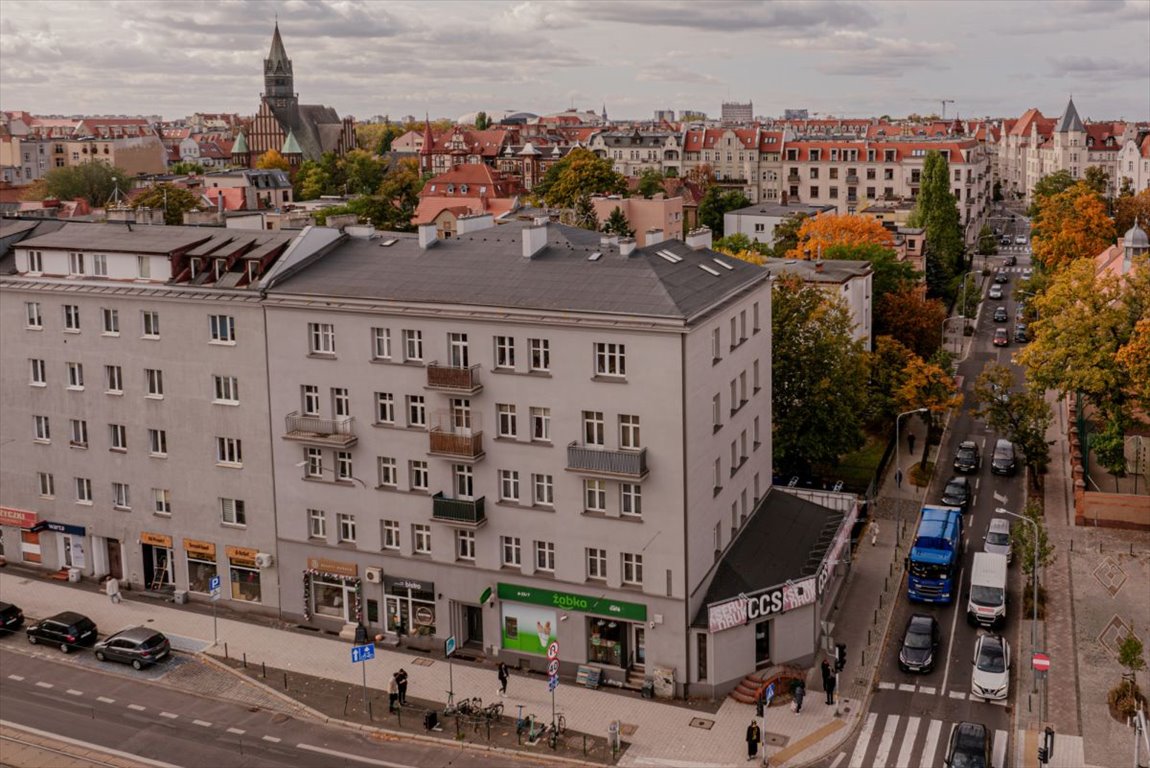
(653, 220)
(758, 222)
(850, 283)
(1134, 162)
(635, 152)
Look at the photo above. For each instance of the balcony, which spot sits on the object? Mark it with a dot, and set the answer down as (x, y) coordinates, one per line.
(852, 178)
(591, 460)
(457, 381)
(316, 431)
(456, 445)
(793, 175)
(461, 512)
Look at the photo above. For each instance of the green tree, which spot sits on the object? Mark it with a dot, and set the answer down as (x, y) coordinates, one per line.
(579, 173)
(1023, 543)
(617, 224)
(889, 275)
(1130, 655)
(887, 373)
(94, 182)
(363, 172)
(182, 168)
(585, 216)
(1109, 447)
(174, 201)
(987, 242)
(936, 211)
(787, 234)
(733, 244)
(715, 203)
(311, 181)
(377, 137)
(1048, 186)
(819, 377)
(1098, 179)
(481, 121)
(998, 191)
(1021, 415)
(650, 183)
(400, 190)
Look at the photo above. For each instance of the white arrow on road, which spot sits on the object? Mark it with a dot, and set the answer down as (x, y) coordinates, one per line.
(999, 497)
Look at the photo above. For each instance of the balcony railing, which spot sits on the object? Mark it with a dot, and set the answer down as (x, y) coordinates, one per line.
(456, 445)
(852, 178)
(463, 512)
(592, 460)
(312, 429)
(453, 379)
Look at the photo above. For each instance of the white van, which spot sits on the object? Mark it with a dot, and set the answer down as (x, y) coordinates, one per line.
(987, 603)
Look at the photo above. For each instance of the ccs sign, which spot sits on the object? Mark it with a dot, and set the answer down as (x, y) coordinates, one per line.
(747, 608)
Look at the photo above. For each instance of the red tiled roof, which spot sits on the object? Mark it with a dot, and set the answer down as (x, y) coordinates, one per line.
(1033, 117)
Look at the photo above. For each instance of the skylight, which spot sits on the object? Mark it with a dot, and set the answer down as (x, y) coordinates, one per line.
(389, 242)
(722, 264)
(707, 269)
(669, 256)
(595, 256)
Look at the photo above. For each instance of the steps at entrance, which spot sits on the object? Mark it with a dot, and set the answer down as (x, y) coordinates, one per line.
(635, 677)
(782, 675)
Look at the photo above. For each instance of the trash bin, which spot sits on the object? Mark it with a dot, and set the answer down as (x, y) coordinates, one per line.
(180, 596)
(74, 575)
(431, 720)
(648, 690)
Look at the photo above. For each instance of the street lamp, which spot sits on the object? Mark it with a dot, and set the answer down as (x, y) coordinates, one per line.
(898, 469)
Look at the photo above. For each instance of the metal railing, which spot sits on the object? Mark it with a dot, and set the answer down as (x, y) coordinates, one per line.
(595, 460)
(341, 430)
(468, 512)
(453, 378)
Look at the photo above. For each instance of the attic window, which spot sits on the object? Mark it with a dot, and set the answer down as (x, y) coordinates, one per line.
(389, 242)
(253, 271)
(432, 187)
(195, 268)
(722, 264)
(450, 188)
(707, 269)
(595, 256)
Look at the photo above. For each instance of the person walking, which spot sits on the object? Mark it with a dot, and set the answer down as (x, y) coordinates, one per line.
(829, 685)
(825, 668)
(503, 673)
(401, 681)
(799, 692)
(910, 442)
(392, 694)
(754, 736)
(112, 589)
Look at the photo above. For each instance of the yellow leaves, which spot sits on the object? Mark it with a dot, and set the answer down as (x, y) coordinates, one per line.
(272, 159)
(822, 232)
(749, 256)
(927, 384)
(1134, 357)
(1071, 225)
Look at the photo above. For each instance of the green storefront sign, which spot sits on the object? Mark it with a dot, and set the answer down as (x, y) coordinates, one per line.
(568, 601)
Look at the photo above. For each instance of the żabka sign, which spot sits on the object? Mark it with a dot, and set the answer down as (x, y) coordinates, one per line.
(760, 605)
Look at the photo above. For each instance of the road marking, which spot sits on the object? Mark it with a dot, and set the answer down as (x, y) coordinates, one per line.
(998, 702)
(931, 743)
(887, 741)
(958, 695)
(76, 742)
(74, 692)
(237, 731)
(17, 678)
(953, 623)
(838, 759)
(908, 740)
(273, 739)
(349, 756)
(927, 689)
(864, 741)
(906, 687)
(136, 707)
(42, 684)
(202, 723)
(105, 700)
(886, 686)
(169, 715)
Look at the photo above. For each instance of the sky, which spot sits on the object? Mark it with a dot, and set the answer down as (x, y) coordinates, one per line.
(446, 58)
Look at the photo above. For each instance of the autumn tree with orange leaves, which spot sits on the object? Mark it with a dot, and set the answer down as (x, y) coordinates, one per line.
(1134, 357)
(1071, 225)
(913, 321)
(822, 232)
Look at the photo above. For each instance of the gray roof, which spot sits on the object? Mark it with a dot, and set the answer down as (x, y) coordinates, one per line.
(780, 210)
(317, 128)
(13, 231)
(832, 270)
(1070, 120)
(120, 237)
(487, 268)
(1135, 237)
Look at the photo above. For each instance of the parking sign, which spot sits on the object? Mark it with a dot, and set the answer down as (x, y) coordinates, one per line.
(214, 587)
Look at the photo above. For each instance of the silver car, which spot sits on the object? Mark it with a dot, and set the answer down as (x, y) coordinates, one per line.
(997, 538)
(990, 678)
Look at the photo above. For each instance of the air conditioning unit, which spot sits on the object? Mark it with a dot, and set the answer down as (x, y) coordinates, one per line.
(265, 559)
(373, 575)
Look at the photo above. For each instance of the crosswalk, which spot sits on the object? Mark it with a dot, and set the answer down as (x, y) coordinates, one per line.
(932, 690)
(901, 741)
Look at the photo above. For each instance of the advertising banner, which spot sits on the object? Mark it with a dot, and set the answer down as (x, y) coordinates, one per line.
(528, 628)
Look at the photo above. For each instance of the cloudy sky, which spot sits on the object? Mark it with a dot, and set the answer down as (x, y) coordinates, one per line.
(378, 57)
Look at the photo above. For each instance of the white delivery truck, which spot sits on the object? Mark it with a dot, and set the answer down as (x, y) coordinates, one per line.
(986, 605)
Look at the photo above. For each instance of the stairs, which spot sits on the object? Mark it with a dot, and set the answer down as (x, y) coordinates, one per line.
(636, 675)
(782, 675)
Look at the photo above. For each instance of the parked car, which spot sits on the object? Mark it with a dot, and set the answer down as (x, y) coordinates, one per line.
(1003, 461)
(995, 291)
(1000, 315)
(919, 644)
(1004, 240)
(1001, 338)
(1020, 336)
(139, 646)
(1026, 273)
(1020, 240)
(1001, 277)
(11, 617)
(957, 493)
(990, 679)
(967, 458)
(997, 538)
(969, 746)
(68, 630)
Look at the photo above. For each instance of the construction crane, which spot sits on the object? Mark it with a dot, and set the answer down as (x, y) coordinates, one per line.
(944, 103)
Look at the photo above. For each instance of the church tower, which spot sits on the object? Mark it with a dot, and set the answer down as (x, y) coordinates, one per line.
(279, 86)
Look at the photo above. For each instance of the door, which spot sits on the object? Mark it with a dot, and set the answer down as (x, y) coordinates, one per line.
(115, 559)
(457, 350)
(461, 415)
(473, 615)
(763, 643)
(464, 482)
(395, 609)
(639, 643)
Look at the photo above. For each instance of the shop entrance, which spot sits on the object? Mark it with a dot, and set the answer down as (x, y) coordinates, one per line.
(639, 644)
(763, 643)
(158, 567)
(608, 640)
(473, 625)
(115, 559)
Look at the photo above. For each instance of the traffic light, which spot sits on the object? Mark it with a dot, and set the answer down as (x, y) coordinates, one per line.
(840, 656)
(1046, 751)
(1043, 756)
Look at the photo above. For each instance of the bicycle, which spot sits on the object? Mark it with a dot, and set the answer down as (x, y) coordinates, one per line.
(492, 711)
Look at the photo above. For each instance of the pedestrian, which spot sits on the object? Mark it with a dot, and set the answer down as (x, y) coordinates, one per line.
(799, 692)
(401, 681)
(503, 673)
(830, 688)
(825, 668)
(910, 441)
(754, 735)
(392, 694)
(112, 589)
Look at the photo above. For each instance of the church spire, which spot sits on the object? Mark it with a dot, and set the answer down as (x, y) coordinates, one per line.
(279, 85)
(277, 52)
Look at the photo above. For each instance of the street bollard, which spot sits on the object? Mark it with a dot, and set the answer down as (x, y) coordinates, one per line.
(263, 670)
(345, 700)
(875, 621)
(245, 660)
(868, 637)
(285, 681)
(862, 662)
(226, 651)
(584, 744)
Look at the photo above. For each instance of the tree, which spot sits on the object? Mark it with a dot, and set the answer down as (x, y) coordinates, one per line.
(482, 123)
(739, 246)
(92, 181)
(585, 216)
(714, 205)
(703, 175)
(912, 320)
(888, 365)
(1023, 545)
(1109, 448)
(987, 242)
(928, 385)
(1131, 208)
(936, 211)
(1130, 655)
(1098, 179)
(1134, 357)
(272, 159)
(787, 234)
(400, 190)
(997, 191)
(1048, 186)
(311, 181)
(182, 168)
(818, 378)
(377, 137)
(1021, 415)
(1071, 225)
(817, 233)
(650, 183)
(579, 173)
(363, 172)
(888, 274)
(173, 200)
(617, 224)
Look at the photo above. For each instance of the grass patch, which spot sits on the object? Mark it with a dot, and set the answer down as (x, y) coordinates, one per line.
(857, 469)
(920, 475)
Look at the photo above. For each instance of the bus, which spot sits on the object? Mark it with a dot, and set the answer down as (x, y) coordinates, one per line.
(936, 556)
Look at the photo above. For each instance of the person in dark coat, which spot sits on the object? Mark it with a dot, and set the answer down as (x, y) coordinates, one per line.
(910, 441)
(830, 688)
(503, 673)
(754, 736)
(799, 693)
(392, 695)
(401, 681)
(825, 667)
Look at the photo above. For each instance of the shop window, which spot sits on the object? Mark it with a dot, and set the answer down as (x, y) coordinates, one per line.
(201, 570)
(606, 642)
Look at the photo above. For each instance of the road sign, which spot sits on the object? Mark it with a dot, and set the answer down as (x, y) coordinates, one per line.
(553, 667)
(770, 693)
(553, 650)
(552, 683)
(1041, 662)
(214, 587)
(362, 653)
(449, 646)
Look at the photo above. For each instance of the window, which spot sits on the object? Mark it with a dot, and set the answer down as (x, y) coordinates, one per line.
(593, 428)
(313, 462)
(418, 472)
(390, 534)
(734, 333)
(229, 450)
(506, 420)
(464, 481)
(83, 490)
(465, 545)
(717, 480)
(595, 495)
(346, 527)
(388, 473)
(154, 382)
(716, 345)
(421, 539)
(416, 411)
(412, 345)
(743, 325)
(629, 432)
(632, 569)
(610, 359)
(309, 400)
(742, 387)
(343, 466)
(457, 354)
(543, 490)
(47, 484)
(716, 411)
(541, 424)
(121, 496)
(504, 352)
(756, 384)
(316, 524)
(158, 442)
(340, 402)
(32, 316)
(321, 338)
(35, 261)
(162, 501)
(734, 395)
(42, 433)
(540, 354)
(111, 319)
(143, 267)
(226, 389)
(75, 375)
(71, 318)
(511, 551)
(631, 499)
(596, 563)
(75, 263)
(118, 436)
(151, 324)
(508, 485)
(381, 343)
(232, 512)
(78, 429)
(37, 373)
(223, 329)
(545, 556)
(742, 446)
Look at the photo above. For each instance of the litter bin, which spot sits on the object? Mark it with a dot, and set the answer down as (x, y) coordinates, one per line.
(648, 690)
(180, 596)
(74, 575)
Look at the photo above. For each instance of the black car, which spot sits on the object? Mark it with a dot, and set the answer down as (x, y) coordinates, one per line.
(1001, 277)
(957, 493)
(969, 746)
(967, 458)
(68, 630)
(1003, 461)
(919, 644)
(1000, 315)
(139, 646)
(11, 617)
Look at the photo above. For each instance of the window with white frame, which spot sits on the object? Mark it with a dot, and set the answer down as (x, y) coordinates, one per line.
(111, 321)
(35, 261)
(632, 569)
(610, 359)
(75, 263)
(593, 428)
(507, 422)
(313, 462)
(511, 552)
(143, 267)
(417, 470)
(543, 490)
(42, 432)
(309, 400)
(545, 556)
(504, 352)
(457, 350)
(734, 332)
(389, 534)
(32, 317)
(321, 338)
(742, 325)
(316, 524)
(232, 512)
(464, 477)
(755, 317)
(37, 373)
(381, 343)
(595, 495)
(629, 432)
(121, 496)
(416, 411)
(153, 382)
(118, 437)
(631, 499)
(343, 466)
(151, 324)
(113, 379)
(742, 387)
(388, 472)
(541, 424)
(540, 354)
(71, 318)
(465, 545)
(716, 344)
(412, 345)
(755, 383)
(226, 389)
(755, 433)
(340, 402)
(78, 429)
(596, 563)
(100, 264)
(420, 539)
(718, 475)
(222, 329)
(162, 502)
(717, 411)
(346, 523)
(508, 485)
(83, 490)
(158, 442)
(734, 395)
(229, 451)
(75, 375)
(47, 484)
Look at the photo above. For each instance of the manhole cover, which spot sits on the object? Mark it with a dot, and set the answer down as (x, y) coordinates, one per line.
(420, 661)
(775, 739)
(1110, 575)
(702, 722)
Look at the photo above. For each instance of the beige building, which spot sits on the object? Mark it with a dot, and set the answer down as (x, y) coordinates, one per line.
(847, 282)
(1133, 162)
(655, 219)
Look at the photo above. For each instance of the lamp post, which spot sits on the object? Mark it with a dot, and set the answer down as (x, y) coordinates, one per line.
(1034, 587)
(898, 471)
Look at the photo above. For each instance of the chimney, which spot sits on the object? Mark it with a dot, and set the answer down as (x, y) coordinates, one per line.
(427, 236)
(534, 239)
(654, 236)
(626, 246)
(604, 242)
(474, 222)
(699, 238)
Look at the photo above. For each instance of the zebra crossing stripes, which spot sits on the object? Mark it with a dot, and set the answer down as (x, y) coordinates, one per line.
(863, 741)
(908, 740)
(887, 740)
(931, 744)
(905, 742)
